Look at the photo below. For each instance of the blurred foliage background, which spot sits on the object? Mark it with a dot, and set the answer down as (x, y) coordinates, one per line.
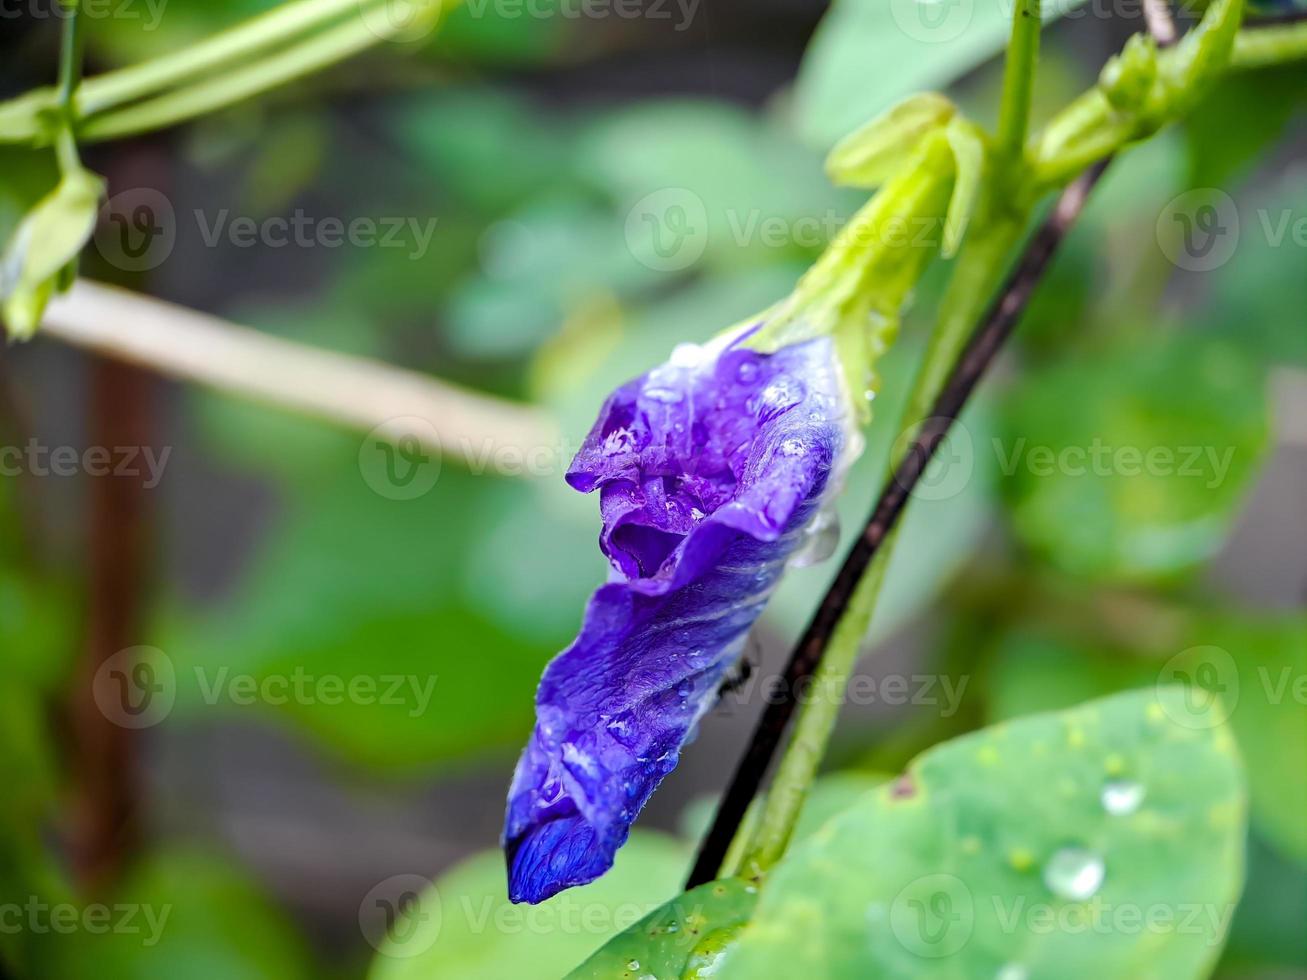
(268, 829)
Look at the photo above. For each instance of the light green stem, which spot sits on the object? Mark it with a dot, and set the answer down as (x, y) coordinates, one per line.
(981, 267)
(318, 52)
(1019, 80)
(296, 39)
(70, 76)
(239, 43)
(1262, 47)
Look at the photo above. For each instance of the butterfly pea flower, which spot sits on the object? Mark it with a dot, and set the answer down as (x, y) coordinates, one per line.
(712, 471)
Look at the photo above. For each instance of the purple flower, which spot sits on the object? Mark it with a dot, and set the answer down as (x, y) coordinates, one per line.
(710, 470)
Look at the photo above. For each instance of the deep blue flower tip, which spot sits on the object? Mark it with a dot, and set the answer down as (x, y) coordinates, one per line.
(553, 856)
(709, 470)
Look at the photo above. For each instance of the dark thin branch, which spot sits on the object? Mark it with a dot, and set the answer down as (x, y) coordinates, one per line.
(979, 354)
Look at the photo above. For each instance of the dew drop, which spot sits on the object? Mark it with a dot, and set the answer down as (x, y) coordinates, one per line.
(747, 372)
(820, 540)
(633, 965)
(1012, 971)
(1121, 797)
(1074, 873)
(782, 394)
(668, 396)
(687, 355)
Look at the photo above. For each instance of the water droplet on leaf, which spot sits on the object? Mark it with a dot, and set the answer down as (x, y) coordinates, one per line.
(1122, 797)
(1074, 873)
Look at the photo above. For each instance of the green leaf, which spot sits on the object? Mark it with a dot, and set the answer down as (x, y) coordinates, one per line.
(1049, 846)
(1257, 666)
(868, 54)
(467, 928)
(1132, 464)
(686, 938)
(968, 144)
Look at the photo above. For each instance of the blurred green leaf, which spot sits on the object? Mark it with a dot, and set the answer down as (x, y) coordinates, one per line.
(1267, 929)
(1238, 121)
(1034, 670)
(1015, 849)
(703, 184)
(192, 917)
(472, 138)
(1256, 299)
(1258, 666)
(349, 622)
(469, 929)
(1131, 464)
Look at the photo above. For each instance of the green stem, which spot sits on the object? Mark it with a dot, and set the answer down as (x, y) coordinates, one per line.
(1019, 79)
(980, 269)
(292, 37)
(239, 43)
(70, 76)
(305, 58)
(1263, 47)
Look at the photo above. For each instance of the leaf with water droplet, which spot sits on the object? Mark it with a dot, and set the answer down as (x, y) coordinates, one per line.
(1005, 862)
(684, 939)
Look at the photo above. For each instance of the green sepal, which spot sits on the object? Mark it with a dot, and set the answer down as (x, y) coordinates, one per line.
(967, 141)
(1193, 66)
(1128, 78)
(42, 248)
(683, 939)
(873, 153)
(856, 290)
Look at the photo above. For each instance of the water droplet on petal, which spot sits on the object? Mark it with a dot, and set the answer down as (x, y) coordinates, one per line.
(780, 395)
(1074, 873)
(747, 372)
(1121, 797)
(687, 355)
(820, 540)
